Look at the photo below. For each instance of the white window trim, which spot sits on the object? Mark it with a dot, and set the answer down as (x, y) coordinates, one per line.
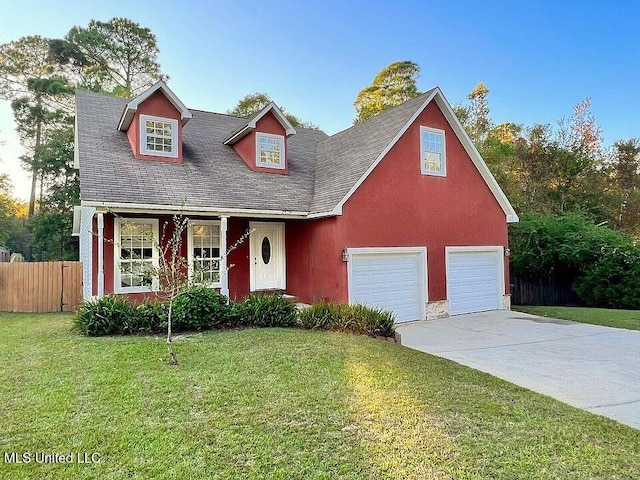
(143, 136)
(424, 171)
(217, 284)
(281, 165)
(117, 288)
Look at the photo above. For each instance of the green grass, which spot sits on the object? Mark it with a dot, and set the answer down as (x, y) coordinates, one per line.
(282, 403)
(629, 319)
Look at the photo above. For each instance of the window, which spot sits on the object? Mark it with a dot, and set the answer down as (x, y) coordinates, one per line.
(269, 150)
(158, 136)
(433, 159)
(204, 252)
(136, 255)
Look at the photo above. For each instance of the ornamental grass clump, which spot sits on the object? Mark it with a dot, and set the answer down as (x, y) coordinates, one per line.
(359, 319)
(109, 315)
(259, 310)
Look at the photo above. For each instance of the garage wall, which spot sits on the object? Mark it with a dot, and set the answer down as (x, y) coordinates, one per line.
(397, 206)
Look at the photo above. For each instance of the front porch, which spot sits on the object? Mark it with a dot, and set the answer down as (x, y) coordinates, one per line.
(235, 255)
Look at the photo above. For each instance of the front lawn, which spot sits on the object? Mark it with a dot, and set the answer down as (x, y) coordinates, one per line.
(281, 403)
(629, 319)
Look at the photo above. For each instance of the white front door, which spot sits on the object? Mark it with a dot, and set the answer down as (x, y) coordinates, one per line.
(267, 257)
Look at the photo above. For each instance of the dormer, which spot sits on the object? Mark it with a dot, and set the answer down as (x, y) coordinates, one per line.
(262, 141)
(153, 122)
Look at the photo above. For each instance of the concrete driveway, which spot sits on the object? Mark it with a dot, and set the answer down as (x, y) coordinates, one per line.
(590, 367)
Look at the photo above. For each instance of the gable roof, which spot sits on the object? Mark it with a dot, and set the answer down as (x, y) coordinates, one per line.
(347, 158)
(212, 177)
(131, 107)
(323, 171)
(245, 128)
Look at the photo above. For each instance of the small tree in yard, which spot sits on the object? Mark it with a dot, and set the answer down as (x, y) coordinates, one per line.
(173, 270)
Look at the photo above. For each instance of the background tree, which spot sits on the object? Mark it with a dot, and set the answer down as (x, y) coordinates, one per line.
(477, 122)
(118, 57)
(52, 225)
(38, 76)
(8, 209)
(626, 168)
(39, 96)
(395, 84)
(251, 104)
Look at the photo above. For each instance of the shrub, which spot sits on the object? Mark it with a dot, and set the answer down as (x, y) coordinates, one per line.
(200, 308)
(602, 265)
(614, 281)
(348, 318)
(150, 318)
(267, 311)
(108, 315)
(559, 245)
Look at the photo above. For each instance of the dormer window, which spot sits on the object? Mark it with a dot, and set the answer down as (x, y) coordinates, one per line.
(158, 136)
(433, 159)
(270, 150)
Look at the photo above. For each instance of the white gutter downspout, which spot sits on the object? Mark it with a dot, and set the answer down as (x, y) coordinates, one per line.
(100, 254)
(224, 273)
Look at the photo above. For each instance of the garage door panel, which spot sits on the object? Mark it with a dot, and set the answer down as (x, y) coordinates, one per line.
(391, 281)
(474, 281)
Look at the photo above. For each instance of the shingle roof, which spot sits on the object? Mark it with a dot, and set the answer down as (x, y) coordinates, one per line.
(212, 174)
(344, 157)
(322, 169)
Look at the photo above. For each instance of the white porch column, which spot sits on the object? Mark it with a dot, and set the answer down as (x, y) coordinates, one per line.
(100, 254)
(224, 273)
(85, 234)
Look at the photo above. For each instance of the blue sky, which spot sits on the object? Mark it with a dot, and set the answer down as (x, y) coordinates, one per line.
(538, 58)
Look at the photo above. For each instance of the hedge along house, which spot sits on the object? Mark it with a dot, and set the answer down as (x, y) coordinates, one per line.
(399, 211)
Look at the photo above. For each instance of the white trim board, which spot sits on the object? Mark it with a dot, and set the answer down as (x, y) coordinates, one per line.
(191, 210)
(131, 107)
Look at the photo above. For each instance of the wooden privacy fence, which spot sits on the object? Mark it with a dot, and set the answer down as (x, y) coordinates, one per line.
(526, 291)
(40, 286)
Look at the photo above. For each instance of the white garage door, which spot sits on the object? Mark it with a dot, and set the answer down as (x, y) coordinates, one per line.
(474, 279)
(389, 278)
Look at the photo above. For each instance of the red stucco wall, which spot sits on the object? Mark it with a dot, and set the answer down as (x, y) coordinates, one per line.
(246, 146)
(239, 258)
(159, 106)
(398, 206)
(314, 261)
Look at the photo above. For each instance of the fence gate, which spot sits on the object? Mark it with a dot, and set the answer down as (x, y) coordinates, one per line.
(40, 286)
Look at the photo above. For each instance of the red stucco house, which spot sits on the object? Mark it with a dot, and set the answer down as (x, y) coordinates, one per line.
(398, 211)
